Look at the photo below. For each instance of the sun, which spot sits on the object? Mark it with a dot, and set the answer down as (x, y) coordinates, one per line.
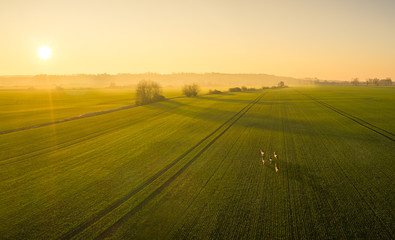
(44, 52)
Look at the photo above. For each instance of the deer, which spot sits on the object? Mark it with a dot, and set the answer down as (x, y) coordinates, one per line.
(275, 166)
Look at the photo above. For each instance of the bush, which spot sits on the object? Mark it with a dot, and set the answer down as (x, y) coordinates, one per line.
(148, 92)
(191, 90)
(281, 84)
(235, 89)
(215, 91)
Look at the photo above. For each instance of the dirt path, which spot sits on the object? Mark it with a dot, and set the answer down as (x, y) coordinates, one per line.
(86, 115)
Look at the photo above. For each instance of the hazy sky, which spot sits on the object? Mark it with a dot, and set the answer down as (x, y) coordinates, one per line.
(328, 39)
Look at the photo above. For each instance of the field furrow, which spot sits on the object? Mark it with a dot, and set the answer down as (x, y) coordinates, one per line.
(228, 124)
(191, 168)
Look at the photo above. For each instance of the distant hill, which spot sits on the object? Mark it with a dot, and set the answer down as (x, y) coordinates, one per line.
(126, 79)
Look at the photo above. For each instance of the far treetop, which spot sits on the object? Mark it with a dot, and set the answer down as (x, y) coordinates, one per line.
(166, 80)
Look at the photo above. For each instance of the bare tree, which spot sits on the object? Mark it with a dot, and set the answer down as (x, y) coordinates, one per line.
(355, 81)
(386, 82)
(191, 90)
(148, 92)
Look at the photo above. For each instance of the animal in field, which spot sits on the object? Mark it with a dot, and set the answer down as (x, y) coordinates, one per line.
(275, 156)
(275, 166)
(262, 152)
(270, 159)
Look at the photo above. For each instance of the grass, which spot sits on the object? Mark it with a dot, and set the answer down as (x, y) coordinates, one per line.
(22, 108)
(191, 168)
(372, 104)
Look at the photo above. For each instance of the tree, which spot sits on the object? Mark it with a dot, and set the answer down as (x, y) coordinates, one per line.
(382, 82)
(235, 89)
(386, 82)
(191, 90)
(113, 85)
(148, 92)
(215, 91)
(375, 81)
(281, 84)
(355, 81)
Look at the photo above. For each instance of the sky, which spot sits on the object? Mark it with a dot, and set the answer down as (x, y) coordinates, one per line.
(327, 39)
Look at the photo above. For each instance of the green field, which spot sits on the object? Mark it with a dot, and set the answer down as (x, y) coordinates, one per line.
(190, 168)
(22, 108)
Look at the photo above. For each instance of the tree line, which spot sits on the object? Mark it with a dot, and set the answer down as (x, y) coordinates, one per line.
(149, 91)
(357, 82)
(379, 82)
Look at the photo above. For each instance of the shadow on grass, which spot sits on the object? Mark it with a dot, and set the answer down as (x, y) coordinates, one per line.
(215, 110)
(304, 177)
(218, 98)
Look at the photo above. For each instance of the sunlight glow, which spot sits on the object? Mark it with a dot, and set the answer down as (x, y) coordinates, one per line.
(44, 52)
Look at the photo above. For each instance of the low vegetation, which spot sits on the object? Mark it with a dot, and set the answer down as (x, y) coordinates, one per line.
(191, 90)
(191, 168)
(242, 89)
(215, 91)
(235, 89)
(148, 92)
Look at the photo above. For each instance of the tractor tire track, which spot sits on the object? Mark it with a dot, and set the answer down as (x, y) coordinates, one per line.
(378, 169)
(316, 186)
(361, 196)
(359, 121)
(263, 199)
(80, 228)
(201, 190)
(318, 189)
(110, 230)
(69, 143)
(59, 146)
(86, 115)
(289, 191)
(389, 232)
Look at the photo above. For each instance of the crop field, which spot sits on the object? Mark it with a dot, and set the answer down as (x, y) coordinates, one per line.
(191, 168)
(24, 108)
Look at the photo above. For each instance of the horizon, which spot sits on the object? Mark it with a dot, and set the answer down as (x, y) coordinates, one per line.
(187, 119)
(328, 40)
(186, 73)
